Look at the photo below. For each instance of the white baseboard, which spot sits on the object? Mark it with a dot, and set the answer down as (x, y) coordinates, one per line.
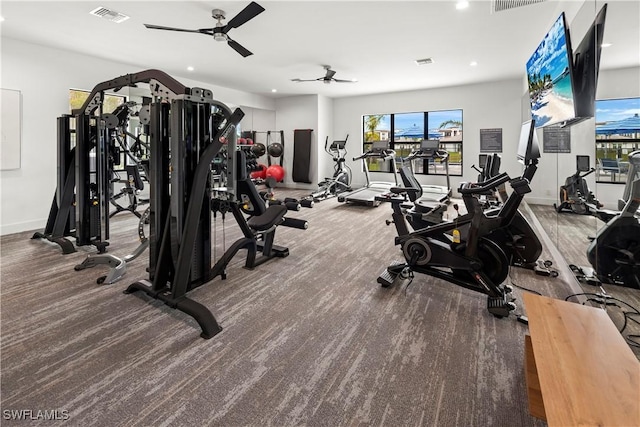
(540, 201)
(19, 227)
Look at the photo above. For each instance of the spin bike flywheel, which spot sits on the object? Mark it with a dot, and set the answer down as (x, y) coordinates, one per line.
(495, 263)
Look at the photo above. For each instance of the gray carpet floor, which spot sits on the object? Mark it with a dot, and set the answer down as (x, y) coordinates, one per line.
(310, 339)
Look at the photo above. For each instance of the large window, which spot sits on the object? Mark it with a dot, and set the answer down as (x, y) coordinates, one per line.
(405, 131)
(77, 99)
(377, 128)
(617, 135)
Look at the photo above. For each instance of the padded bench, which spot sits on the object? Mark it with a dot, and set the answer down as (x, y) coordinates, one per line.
(578, 367)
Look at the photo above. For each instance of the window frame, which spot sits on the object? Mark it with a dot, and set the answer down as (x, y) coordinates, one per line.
(620, 145)
(395, 144)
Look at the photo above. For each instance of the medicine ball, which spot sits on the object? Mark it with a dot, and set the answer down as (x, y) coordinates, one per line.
(275, 149)
(258, 149)
(276, 171)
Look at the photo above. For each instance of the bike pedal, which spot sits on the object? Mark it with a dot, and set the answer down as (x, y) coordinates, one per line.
(386, 278)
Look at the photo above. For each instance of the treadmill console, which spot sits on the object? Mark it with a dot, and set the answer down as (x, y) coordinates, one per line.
(379, 146)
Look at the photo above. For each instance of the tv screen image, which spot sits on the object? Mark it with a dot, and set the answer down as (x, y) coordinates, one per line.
(549, 76)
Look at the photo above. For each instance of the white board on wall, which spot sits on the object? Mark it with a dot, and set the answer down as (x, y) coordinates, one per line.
(10, 129)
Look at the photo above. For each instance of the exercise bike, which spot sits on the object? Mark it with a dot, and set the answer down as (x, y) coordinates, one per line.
(615, 252)
(463, 251)
(575, 195)
(518, 240)
(341, 179)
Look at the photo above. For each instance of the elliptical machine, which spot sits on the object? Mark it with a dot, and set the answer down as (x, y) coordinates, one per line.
(575, 195)
(463, 251)
(341, 179)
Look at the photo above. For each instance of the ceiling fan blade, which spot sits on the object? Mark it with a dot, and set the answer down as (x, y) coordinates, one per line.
(238, 48)
(343, 81)
(305, 80)
(160, 27)
(246, 14)
(330, 74)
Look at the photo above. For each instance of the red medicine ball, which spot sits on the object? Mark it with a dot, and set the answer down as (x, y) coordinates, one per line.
(276, 171)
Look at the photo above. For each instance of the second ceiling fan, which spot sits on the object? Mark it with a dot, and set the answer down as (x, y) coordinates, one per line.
(327, 78)
(219, 32)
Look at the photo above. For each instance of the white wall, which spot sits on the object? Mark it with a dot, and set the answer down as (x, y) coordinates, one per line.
(45, 76)
(297, 112)
(490, 105)
(486, 105)
(325, 129)
(258, 119)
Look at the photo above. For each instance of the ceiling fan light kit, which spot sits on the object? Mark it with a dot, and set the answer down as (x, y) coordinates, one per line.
(219, 32)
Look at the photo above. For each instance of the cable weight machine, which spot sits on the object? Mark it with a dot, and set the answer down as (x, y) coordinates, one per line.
(80, 206)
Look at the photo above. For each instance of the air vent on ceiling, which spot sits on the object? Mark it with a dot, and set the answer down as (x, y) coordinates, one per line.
(500, 5)
(424, 61)
(109, 14)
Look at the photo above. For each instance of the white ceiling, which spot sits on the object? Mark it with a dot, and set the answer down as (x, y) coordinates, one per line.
(375, 42)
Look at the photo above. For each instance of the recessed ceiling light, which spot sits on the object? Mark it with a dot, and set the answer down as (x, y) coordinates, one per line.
(274, 90)
(190, 68)
(473, 63)
(462, 4)
(1, 18)
(605, 45)
(424, 61)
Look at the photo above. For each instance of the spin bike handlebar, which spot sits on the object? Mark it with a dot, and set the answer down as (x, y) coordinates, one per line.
(399, 190)
(485, 186)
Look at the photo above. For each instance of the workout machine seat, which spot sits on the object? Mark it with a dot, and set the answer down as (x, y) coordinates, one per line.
(271, 217)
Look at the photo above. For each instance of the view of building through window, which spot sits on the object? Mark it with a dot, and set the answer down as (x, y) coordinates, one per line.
(617, 135)
(405, 131)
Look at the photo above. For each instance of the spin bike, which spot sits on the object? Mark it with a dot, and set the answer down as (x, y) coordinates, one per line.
(341, 179)
(518, 240)
(463, 251)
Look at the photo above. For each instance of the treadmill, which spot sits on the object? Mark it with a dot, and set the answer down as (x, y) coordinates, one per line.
(430, 150)
(367, 194)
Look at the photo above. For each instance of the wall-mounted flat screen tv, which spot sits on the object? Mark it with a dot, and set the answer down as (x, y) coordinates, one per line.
(549, 76)
(586, 65)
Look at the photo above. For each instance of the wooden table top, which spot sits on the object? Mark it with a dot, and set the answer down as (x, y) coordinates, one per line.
(588, 374)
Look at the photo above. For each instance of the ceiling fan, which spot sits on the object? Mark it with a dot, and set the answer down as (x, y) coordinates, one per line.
(219, 32)
(327, 78)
